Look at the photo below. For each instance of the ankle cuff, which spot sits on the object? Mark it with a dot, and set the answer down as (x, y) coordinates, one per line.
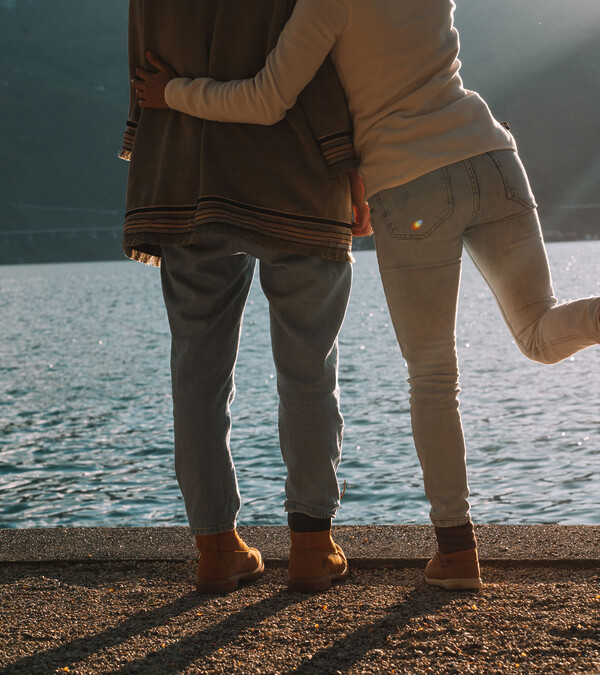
(300, 522)
(453, 539)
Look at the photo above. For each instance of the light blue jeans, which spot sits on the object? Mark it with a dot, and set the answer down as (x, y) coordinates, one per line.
(484, 203)
(205, 287)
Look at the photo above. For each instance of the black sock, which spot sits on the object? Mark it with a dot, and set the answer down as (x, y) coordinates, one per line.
(300, 522)
(453, 539)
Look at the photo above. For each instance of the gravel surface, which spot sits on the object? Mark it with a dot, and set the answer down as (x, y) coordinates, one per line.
(144, 617)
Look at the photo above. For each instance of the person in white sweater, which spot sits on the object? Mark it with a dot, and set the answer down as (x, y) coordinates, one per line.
(440, 174)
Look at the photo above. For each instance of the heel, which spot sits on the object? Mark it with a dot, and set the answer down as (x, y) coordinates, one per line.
(317, 585)
(216, 586)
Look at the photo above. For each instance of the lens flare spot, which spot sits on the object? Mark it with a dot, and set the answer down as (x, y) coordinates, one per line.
(417, 225)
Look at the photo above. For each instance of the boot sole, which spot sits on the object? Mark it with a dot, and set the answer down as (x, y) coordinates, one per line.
(216, 586)
(456, 584)
(316, 585)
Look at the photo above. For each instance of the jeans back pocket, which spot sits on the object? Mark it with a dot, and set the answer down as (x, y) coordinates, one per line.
(416, 209)
(514, 177)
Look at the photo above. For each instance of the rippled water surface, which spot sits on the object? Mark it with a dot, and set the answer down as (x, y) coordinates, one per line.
(85, 405)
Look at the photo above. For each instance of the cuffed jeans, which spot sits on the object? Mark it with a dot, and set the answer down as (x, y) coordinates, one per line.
(205, 287)
(486, 204)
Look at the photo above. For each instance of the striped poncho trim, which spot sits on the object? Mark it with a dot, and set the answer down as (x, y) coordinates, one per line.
(149, 227)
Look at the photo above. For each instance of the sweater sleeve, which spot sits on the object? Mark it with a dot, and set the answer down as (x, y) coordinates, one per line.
(304, 43)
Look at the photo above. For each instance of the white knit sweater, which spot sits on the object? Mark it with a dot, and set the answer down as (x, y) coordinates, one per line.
(398, 64)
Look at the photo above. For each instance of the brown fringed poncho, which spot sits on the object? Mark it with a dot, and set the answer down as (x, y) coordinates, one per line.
(284, 186)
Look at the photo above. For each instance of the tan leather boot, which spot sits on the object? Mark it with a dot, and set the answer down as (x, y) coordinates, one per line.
(454, 571)
(315, 561)
(224, 561)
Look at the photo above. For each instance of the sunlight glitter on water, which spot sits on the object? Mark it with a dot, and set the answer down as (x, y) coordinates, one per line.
(85, 405)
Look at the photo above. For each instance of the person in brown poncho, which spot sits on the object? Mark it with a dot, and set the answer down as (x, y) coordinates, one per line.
(206, 200)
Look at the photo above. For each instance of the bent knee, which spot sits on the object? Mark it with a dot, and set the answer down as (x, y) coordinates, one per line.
(547, 354)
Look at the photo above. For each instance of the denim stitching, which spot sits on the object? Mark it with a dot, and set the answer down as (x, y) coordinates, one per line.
(508, 189)
(217, 529)
(558, 341)
(384, 212)
(296, 507)
(476, 190)
(505, 219)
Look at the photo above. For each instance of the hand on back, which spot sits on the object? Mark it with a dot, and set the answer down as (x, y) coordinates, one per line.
(150, 86)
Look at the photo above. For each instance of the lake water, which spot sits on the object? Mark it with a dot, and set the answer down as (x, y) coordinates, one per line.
(85, 405)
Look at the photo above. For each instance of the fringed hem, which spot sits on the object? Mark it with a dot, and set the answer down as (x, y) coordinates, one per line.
(145, 247)
(128, 139)
(140, 256)
(289, 232)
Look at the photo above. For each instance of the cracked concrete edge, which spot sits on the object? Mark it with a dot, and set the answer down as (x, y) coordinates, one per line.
(367, 546)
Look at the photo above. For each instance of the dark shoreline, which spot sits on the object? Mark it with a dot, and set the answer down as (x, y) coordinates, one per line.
(71, 248)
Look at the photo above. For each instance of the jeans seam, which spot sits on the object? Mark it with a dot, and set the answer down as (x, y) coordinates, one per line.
(505, 219)
(559, 341)
(385, 214)
(508, 189)
(475, 189)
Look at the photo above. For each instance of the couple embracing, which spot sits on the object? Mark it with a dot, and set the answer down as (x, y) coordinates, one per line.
(258, 131)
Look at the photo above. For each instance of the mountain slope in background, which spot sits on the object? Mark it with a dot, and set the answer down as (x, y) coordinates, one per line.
(64, 99)
(537, 63)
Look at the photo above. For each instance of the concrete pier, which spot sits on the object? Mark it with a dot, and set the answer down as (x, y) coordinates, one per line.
(371, 546)
(106, 600)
